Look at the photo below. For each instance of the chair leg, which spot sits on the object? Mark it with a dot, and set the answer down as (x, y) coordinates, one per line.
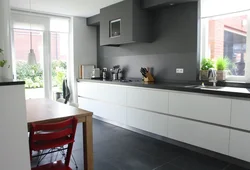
(74, 161)
(72, 156)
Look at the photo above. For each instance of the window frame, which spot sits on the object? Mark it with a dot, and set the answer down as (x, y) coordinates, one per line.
(45, 21)
(205, 49)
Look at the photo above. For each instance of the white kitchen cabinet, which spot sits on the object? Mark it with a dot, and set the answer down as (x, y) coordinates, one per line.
(148, 121)
(203, 135)
(152, 100)
(239, 145)
(105, 110)
(88, 90)
(112, 93)
(199, 107)
(103, 92)
(240, 116)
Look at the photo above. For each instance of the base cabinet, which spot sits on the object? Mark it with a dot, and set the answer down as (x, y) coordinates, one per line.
(105, 110)
(199, 107)
(199, 134)
(200, 120)
(239, 145)
(147, 121)
(240, 116)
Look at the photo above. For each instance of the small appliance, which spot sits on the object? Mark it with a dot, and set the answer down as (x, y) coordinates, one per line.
(96, 73)
(85, 71)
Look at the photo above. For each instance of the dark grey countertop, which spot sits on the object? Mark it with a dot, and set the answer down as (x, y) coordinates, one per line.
(9, 82)
(186, 87)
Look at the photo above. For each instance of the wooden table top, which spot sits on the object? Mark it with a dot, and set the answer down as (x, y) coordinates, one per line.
(46, 110)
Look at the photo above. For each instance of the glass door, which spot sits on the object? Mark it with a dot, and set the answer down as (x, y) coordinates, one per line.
(59, 54)
(49, 37)
(33, 75)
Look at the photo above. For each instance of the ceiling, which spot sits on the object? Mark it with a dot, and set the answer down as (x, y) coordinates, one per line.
(83, 8)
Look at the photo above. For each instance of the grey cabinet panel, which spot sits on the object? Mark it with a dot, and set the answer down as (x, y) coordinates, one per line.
(157, 3)
(94, 20)
(134, 23)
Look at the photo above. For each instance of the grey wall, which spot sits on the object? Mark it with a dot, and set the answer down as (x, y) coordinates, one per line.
(84, 41)
(175, 46)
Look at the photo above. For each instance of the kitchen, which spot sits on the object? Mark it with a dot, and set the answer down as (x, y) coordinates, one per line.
(139, 67)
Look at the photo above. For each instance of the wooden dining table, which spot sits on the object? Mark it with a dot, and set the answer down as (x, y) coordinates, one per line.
(49, 111)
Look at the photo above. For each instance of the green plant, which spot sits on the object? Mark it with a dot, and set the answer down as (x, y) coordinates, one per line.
(59, 69)
(31, 74)
(207, 63)
(222, 63)
(2, 62)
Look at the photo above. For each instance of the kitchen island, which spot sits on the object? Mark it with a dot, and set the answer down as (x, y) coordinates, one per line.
(13, 126)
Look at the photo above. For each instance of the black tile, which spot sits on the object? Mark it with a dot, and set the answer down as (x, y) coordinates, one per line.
(234, 167)
(196, 161)
(104, 164)
(133, 159)
(167, 167)
(152, 146)
(116, 148)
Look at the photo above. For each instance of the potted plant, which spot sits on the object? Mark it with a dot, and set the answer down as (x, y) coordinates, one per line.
(221, 67)
(206, 64)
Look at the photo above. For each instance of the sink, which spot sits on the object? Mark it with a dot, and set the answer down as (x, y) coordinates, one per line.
(219, 88)
(210, 87)
(204, 87)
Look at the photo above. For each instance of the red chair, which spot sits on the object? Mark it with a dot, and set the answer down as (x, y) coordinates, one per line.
(53, 135)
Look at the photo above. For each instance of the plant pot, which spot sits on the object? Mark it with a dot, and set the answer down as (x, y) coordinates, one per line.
(203, 74)
(221, 75)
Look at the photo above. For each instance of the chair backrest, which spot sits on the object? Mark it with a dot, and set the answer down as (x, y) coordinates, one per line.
(53, 135)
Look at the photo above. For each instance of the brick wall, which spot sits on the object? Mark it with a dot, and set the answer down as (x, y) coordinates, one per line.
(216, 33)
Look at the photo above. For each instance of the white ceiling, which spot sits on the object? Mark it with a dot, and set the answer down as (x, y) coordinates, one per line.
(83, 8)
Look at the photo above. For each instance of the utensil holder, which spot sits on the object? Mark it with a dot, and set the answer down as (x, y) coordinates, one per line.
(149, 78)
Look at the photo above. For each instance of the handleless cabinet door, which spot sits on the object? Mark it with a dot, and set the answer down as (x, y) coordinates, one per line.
(86, 89)
(239, 145)
(152, 100)
(148, 121)
(112, 93)
(200, 107)
(240, 114)
(199, 134)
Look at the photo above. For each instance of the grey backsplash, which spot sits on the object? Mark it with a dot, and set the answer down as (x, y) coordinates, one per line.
(175, 46)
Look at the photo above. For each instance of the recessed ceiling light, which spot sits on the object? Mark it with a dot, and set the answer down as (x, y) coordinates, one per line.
(171, 4)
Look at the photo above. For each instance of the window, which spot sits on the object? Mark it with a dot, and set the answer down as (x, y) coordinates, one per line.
(227, 34)
(49, 37)
(31, 74)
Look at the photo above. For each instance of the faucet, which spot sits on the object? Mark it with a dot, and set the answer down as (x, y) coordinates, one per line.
(212, 76)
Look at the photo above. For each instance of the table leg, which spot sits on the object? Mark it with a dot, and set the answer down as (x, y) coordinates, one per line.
(88, 144)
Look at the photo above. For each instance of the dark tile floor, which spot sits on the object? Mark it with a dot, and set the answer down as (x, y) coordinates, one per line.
(119, 149)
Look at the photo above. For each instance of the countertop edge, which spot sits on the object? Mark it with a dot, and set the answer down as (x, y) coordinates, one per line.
(173, 87)
(9, 83)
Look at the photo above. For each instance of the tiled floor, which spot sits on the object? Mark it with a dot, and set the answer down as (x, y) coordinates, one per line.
(119, 149)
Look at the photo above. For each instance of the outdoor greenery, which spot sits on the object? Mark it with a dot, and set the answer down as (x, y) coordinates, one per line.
(222, 63)
(33, 74)
(207, 63)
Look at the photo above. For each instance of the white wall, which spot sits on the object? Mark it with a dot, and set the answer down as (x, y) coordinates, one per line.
(84, 51)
